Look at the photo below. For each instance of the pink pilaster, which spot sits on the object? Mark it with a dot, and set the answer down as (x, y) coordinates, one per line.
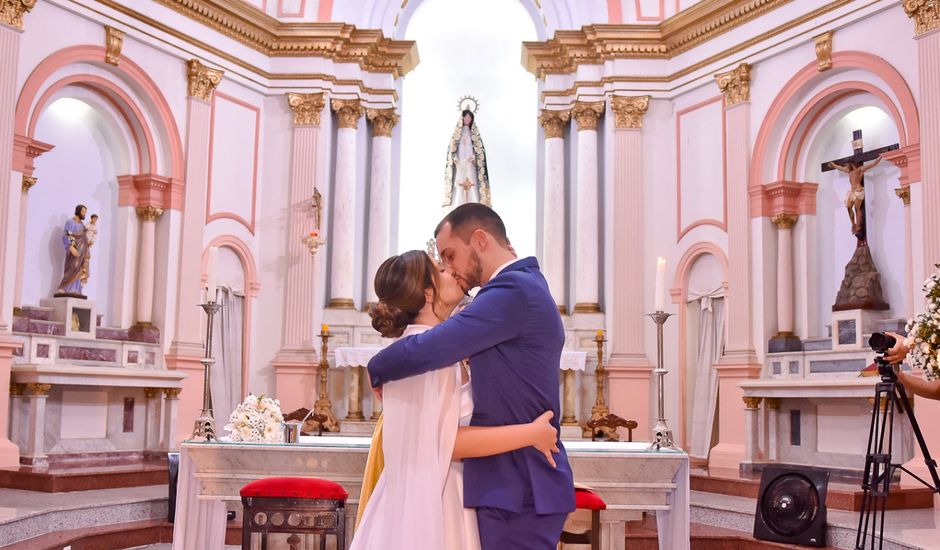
(25, 152)
(186, 347)
(296, 362)
(628, 367)
(739, 361)
(10, 196)
(928, 57)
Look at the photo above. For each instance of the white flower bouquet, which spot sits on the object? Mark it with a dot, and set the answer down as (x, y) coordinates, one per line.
(923, 331)
(257, 419)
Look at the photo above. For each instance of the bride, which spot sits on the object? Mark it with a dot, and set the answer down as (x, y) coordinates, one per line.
(418, 500)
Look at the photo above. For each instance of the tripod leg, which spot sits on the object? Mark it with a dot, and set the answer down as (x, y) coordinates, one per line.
(931, 463)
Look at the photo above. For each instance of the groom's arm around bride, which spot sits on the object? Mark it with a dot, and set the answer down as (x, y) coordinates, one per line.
(513, 335)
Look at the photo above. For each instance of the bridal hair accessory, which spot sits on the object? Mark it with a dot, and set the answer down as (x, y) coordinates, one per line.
(432, 250)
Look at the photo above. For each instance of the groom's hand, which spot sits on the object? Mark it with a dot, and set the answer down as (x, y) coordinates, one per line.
(546, 436)
(377, 392)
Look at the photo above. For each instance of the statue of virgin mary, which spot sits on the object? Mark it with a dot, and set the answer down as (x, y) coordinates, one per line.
(466, 178)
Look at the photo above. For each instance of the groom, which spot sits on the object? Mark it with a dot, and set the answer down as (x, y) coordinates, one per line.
(513, 335)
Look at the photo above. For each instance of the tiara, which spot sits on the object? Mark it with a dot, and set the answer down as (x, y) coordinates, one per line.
(468, 103)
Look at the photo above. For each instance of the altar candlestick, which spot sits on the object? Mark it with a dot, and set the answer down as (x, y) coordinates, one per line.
(660, 294)
(210, 273)
(324, 328)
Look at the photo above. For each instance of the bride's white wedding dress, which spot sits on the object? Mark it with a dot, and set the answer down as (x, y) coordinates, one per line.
(417, 503)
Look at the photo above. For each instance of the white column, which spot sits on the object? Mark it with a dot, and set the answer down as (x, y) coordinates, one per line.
(772, 406)
(28, 183)
(554, 232)
(145, 268)
(751, 428)
(152, 419)
(36, 430)
(343, 240)
(785, 339)
(171, 407)
(380, 198)
(587, 256)
(904, 193)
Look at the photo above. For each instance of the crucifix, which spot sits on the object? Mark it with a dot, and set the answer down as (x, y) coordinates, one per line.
(861, 285)
(854, 165)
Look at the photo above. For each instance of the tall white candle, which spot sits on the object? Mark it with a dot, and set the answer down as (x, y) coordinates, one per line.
(660, 295)
(210, 273)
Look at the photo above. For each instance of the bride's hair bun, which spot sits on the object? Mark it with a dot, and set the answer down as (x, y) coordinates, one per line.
(388, 320)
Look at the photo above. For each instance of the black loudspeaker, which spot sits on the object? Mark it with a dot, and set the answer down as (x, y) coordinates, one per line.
(173, 464)
(791, 505)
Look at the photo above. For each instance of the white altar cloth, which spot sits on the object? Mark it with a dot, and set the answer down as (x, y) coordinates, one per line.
(354, 357)
(573, 360)
(627, 475)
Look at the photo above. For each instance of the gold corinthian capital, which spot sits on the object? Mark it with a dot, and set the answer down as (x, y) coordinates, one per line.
(12, 11)
(925, 13)
(349, 112)
(735, 84)
(554, 122)
(383, 120)
(149, 213)
(306, 107)
(629, 110)
(586, 113)
(202, 80)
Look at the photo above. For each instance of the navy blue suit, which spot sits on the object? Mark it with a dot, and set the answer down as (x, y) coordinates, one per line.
(513, 335)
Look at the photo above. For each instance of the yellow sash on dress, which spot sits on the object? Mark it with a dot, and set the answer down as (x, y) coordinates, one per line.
(374, 466)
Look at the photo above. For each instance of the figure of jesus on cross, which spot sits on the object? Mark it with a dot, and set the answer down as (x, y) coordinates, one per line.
(855, 167)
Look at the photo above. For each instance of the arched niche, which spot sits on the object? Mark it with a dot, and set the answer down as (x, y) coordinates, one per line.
(468, 53)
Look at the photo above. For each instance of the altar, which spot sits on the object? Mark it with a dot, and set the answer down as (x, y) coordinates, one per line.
(628, 476)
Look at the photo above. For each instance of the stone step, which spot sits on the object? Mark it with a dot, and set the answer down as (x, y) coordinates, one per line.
(41, 520)
(85, 478)
(839, 496)
(737, 514)
(33, 326)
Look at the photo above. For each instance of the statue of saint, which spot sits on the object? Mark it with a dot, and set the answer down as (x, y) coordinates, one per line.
(466, 178)
(855, 198)
(77, 255)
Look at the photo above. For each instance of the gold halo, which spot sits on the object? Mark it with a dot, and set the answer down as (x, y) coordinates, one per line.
(468, 103)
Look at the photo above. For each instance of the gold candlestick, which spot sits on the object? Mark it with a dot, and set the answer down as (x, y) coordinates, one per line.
(600, 409)
(323, 405)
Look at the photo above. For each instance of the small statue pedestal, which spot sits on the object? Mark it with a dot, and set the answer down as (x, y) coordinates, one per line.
(79, 316)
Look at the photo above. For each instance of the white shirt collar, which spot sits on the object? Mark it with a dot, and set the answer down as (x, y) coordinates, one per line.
(502, 267)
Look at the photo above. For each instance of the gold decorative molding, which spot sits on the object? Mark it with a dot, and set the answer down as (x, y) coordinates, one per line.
(202, 80)
(28, 183)
(383, 120)
(38, 389)
(925, 13)
(12, 11)
(337, 41)
(306, 107)
(150, 393)
(114, 43)
(904, 193)
(349, 112)
(751, 403)
(587, 307)
(149, 213)
(784, 221)
(772, 403)
(595, 44)
(341, 303)
(16, 389)
(629, 110)
(735, 84)
(172, 393)
(824, 50)
(586, 113)
(554, 122)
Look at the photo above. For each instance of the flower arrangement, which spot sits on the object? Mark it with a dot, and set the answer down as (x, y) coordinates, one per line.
(923, 331)
(256, 419)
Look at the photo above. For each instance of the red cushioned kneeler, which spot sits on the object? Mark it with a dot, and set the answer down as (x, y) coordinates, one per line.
(586, 499)
(295, 505)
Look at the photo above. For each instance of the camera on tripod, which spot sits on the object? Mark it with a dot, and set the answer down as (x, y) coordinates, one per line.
(880, 343)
